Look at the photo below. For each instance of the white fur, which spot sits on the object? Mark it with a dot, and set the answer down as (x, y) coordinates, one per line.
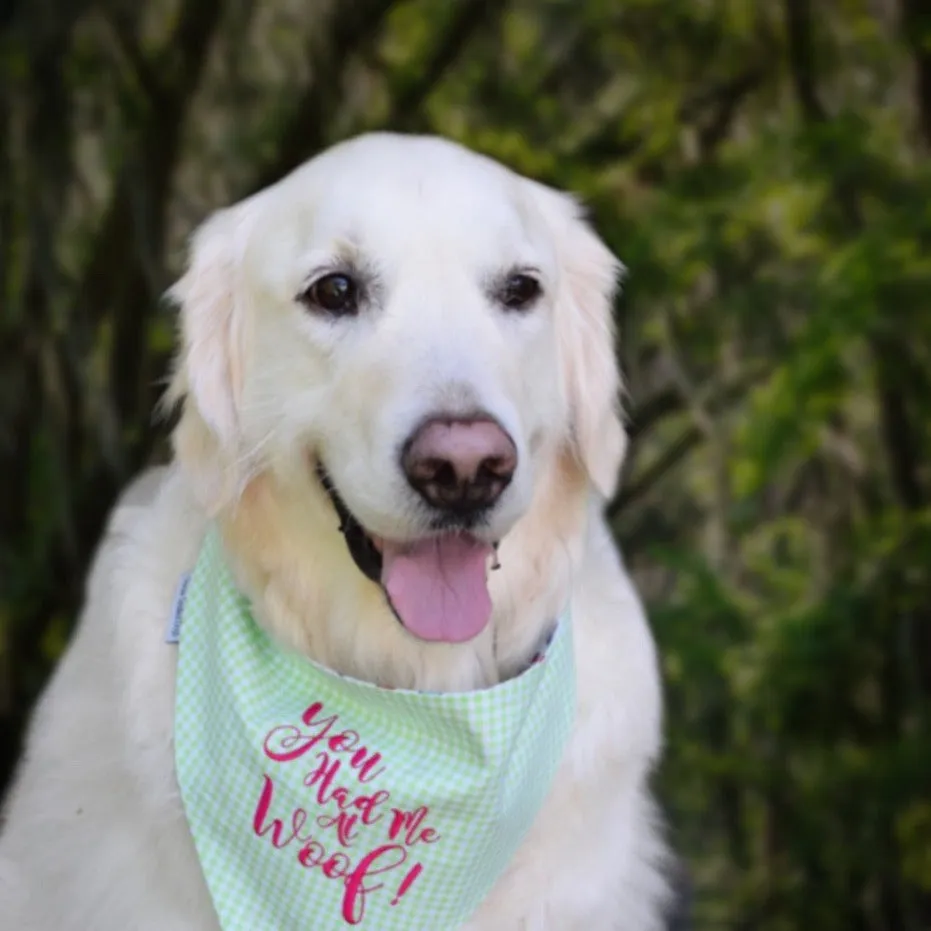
(95, 836)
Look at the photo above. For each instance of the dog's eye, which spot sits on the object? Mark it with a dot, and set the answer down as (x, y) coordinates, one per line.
(519, 291)
(336, 294)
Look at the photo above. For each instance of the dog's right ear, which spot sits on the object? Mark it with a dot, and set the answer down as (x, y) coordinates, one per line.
(209, 367)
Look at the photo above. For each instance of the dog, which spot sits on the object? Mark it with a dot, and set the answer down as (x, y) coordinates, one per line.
(396, 362)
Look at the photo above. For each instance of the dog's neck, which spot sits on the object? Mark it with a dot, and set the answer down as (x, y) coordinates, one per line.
(290, 560)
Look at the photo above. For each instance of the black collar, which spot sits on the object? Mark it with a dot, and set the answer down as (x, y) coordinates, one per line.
(360, 545)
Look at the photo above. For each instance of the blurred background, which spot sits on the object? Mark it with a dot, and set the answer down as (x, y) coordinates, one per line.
(763, 170)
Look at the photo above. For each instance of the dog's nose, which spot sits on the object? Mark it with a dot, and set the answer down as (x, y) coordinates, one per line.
(460, 464)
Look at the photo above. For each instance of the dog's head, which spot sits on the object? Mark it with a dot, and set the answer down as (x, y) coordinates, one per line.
(415, 332)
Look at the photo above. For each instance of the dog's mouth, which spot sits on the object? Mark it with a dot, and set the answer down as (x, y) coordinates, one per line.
(437, 587)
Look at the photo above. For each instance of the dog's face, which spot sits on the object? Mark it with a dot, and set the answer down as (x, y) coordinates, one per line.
(419, 332)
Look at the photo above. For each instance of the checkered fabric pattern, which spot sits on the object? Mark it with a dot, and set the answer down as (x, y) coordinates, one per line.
(318, 802)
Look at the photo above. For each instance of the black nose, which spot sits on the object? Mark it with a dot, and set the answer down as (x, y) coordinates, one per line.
(460, 464)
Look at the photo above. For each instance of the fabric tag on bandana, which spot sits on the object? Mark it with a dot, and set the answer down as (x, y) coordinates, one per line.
(173, 633)
(321, 802)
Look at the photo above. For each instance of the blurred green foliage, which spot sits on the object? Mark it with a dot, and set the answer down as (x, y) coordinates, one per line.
(763, 171)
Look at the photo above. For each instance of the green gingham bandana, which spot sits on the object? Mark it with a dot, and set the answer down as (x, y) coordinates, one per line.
(318, 802)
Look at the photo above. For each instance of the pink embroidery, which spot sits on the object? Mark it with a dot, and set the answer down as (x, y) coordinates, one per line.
(409, 822)
(407, 882)
(288, 742)
(342, 814)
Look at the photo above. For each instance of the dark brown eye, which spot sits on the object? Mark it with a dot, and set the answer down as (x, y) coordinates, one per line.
(335, 294)
(519, 292)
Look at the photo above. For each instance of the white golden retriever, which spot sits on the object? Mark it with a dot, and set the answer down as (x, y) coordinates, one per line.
(430, 335)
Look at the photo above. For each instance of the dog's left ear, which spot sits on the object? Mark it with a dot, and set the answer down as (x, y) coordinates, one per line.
(586, 335)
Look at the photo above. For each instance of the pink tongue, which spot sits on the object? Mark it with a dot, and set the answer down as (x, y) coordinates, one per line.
(437, 587)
